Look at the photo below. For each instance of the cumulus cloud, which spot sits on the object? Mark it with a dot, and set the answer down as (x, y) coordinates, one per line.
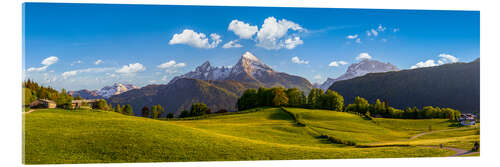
(428, 63)
(43, 68)
(363, 56)
(69, 73)
(242, 30)
(352, 36)
(272, 31)
(444, 59)
(171, 64)
(447, 58)
(232, 44)
(337, 63)
(194, 39)
(318, 76)
(98, 62)
(46, 63)
(50, 60)
(296, 60)
(88, 70)
(374, 32)
(395, 30)
(291, 43)
(381, 28)
(131, 68)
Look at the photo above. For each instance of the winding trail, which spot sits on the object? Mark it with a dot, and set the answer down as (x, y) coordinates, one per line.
(436, 131)
(30, 111)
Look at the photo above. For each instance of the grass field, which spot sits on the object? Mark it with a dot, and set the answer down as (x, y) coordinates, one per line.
(89, 136)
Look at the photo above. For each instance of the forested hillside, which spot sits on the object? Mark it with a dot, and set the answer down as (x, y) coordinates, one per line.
(450, 85)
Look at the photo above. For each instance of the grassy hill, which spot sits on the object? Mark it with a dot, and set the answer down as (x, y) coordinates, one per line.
(90, 136)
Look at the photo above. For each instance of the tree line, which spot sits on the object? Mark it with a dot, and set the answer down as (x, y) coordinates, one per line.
(33, 91)
(291, 97)
(331, 100)
(382, 109)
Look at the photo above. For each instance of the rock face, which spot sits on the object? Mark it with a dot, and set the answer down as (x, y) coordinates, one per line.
(250, 70)
(360, 69)
(104, 92)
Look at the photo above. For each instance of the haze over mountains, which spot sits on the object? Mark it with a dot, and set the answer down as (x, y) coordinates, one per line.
(359, 69)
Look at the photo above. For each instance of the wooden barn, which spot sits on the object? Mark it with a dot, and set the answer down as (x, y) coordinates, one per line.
(43, 103)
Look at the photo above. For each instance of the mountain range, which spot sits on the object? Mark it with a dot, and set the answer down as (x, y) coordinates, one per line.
(362, 68)
(450, 85)
(218, 87)
(104, 92)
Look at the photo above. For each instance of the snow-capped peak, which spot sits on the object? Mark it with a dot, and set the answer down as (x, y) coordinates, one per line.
(250, 56)
(359, 69)
(115, 89)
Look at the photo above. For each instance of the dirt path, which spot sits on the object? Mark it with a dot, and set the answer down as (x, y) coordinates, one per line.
(458, 152)
(30, 111)
(436, 131)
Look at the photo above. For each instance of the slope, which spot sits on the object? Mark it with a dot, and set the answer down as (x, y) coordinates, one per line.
(64, 136)
(450, 85)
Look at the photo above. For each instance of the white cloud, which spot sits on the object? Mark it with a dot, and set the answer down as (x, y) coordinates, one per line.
(428, 63)
(194, 39)
(380, 28)
(232, 44)
(46, 63)
(395, 30)
(98, 62)
(363, 56)
(368, 33)
(444, 59)
(318, 76)
(358, 40)
(171, 64)
(242, 30)
(352, 36)
(296, 60)
(447, 58)
(43, 68)
(337, 63)
(131, 68)
(164, 78)
(291, 43)
(50, 60)
(270, 34)
(374, 32)
(69, 73)
(88, 70)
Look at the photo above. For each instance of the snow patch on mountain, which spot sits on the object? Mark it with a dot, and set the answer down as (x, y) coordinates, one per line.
(248, 63)
(115, 89)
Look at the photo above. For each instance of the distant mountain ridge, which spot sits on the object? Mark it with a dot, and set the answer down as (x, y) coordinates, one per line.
(104, 92)
(359, 69)
(218, 87)
(450, 85)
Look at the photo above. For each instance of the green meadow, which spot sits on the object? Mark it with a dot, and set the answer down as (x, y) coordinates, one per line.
(56, 136)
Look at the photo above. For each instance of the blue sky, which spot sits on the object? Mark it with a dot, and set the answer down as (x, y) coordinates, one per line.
(88, 46)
